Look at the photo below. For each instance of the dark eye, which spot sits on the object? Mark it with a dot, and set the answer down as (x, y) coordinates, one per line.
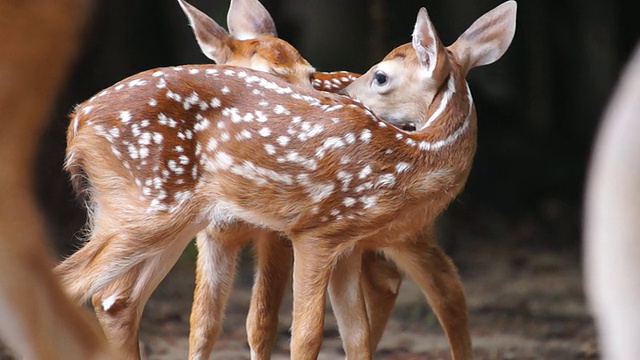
(380, 78)
(409, 126)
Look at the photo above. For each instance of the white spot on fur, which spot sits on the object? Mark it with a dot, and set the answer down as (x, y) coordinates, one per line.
(202, 124)
(125, 116)
(365, 172)
(369, 201)
(386, 180)
(145, 139)
(350, 138)
(362, 187)
(283, 140)
(233, 113)
(264, 132)
(365, 136)
(402, 167)
(345, 159)
(333, 142)
(279, 109)
(174, 96)
(137, 82)
(212, 144)
(345, 178)
(270, 149)
(221, 161)
(261, 117)
(115, 132)
(349, 201)
(244, 134)
(191, 100)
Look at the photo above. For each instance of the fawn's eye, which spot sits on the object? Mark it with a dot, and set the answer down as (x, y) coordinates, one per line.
(380, 78)
(408, 126)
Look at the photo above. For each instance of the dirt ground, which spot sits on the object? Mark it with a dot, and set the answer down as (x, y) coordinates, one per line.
(525, 302)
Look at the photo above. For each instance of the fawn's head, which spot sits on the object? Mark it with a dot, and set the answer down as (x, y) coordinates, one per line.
(251, 42)
(401, 88)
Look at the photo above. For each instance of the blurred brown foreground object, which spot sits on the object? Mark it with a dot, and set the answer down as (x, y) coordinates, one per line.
(38, 42)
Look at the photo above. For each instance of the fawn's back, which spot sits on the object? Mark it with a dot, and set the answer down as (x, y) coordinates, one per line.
(196, 135)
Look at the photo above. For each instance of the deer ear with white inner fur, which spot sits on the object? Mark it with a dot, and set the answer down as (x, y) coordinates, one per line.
(248, 19)
(211, 37)
(425, 41)
(487, 39)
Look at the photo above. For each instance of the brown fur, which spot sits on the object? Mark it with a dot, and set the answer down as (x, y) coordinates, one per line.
(392, 216)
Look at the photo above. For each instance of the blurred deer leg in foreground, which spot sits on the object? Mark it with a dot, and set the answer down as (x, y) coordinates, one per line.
(38, 321)
(612, 230)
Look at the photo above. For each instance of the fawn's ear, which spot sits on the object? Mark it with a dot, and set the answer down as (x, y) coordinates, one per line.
(426, 42)
(487, 39)
(211, 37)
(248, 19)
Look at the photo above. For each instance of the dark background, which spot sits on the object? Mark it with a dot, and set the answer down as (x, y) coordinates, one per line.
(538, 107)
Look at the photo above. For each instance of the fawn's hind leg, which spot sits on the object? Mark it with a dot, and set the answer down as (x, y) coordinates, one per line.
(380, 285)
(274, 257)
(438, 278)
(347, 301)
(120, 305)
(215, 272)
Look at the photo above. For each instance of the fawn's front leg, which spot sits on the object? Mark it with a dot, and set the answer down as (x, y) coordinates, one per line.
(312, 267)
(273, 271)
(215, 271)
(348, 305)
(435, 273)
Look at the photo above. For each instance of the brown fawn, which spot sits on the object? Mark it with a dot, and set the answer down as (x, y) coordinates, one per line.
(381, 279)
(173, 156)
(248, 20)
(612, 206)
